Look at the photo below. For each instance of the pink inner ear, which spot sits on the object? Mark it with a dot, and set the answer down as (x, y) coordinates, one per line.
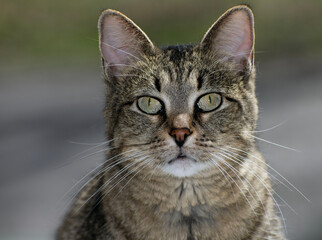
(115, 41)
(121, 41)
(234, 37)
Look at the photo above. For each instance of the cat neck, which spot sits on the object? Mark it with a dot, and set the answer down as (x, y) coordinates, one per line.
(160, 201)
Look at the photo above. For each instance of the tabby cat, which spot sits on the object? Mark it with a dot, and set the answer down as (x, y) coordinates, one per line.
(182, 162)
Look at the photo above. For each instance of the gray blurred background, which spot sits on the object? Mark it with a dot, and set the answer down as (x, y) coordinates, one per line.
(52, 95)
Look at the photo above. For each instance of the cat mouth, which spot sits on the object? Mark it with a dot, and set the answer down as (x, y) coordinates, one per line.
(182, 158)
(183, 166)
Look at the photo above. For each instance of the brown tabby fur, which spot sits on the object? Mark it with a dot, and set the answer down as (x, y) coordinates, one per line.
(215, 203)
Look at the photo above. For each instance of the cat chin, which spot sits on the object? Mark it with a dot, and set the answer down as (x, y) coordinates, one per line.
(184, 167)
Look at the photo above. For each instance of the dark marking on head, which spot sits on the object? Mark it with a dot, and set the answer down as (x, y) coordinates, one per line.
(157, 84)
(177, 52)
(199, 82)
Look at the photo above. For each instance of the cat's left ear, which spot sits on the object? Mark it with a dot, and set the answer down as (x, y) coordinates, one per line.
(121, 41)
(231, 37)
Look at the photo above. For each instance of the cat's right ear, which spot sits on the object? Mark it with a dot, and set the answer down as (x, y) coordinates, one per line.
(121, 41)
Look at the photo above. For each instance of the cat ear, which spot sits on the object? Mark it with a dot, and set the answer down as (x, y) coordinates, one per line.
(231, 37)
(121, 41)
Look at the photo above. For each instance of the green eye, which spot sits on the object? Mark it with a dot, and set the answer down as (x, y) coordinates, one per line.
(149, 105)
(209, 102)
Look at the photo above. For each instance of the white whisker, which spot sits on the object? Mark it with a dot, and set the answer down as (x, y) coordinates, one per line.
(91, 148)
(271, 175)
(237, 175)
(127, 65)
(130, 75)
(271, 128)
(105, 184)
(273, 170)
(92, 171)
(155, 168)
(120, 180)
(221, 171)
(221, 160)
(90, 143)
(275, 144)
(147, 161)
(94, 153)
(129, 54)
(120, 50)
(260, 199)
(264, 184)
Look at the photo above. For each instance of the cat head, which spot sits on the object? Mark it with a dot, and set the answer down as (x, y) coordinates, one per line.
(176, 109)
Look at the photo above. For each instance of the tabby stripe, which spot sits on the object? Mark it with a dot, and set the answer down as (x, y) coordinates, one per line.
(157, 84)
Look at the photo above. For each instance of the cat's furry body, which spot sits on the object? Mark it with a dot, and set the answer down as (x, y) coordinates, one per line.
(225, 192)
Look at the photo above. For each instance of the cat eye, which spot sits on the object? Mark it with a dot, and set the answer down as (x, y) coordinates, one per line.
(149, 105)
(209, 102)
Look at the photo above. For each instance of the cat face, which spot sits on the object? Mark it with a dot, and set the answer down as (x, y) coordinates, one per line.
(177, 108)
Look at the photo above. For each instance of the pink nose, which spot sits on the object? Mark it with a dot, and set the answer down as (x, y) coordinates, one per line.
(180, 135)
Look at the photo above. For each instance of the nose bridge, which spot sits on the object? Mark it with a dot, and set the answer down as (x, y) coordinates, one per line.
(179, 94)
(180, 116)
(180, 128)
(181, 120)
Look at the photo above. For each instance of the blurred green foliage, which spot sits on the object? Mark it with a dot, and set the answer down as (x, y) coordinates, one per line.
(67, 29)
